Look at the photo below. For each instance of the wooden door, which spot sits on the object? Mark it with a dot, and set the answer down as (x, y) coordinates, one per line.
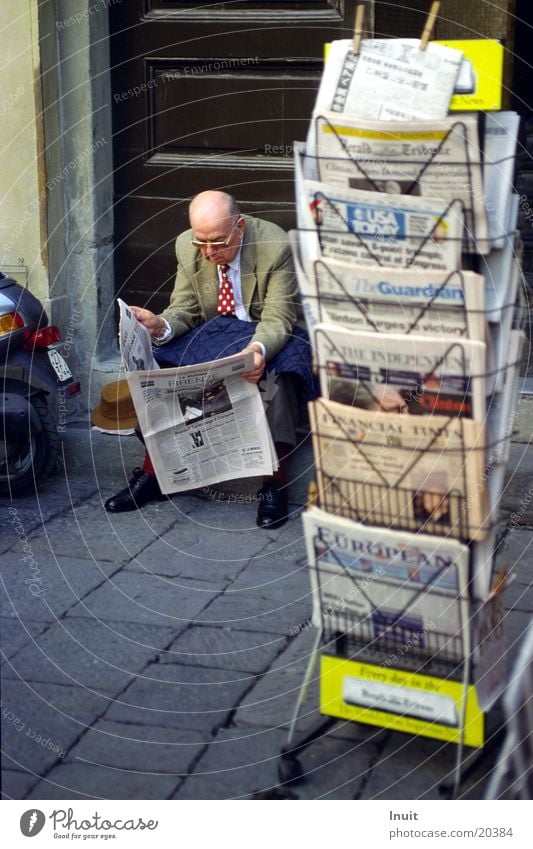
(205, 96)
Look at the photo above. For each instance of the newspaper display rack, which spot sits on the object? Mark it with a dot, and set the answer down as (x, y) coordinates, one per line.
(409, 275)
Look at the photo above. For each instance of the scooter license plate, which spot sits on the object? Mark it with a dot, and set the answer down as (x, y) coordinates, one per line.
(59, 365)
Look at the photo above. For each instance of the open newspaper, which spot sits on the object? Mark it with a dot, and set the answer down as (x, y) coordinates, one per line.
(432, 159)
(402, 593)
(390, 300)
(419, 375)
(396, 470)
(501, 134)
(201, 424)
(389, 79)
(382, 229)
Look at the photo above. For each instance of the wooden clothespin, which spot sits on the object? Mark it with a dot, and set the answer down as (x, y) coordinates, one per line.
(430, 23)
(358, 29)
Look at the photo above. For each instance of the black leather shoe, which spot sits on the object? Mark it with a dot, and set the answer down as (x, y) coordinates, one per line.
(273, 509)
(141, 489)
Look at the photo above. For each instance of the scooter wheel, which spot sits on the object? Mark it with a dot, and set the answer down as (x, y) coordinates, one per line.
(31, 454)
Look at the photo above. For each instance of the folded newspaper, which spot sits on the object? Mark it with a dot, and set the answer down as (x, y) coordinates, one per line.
(390, 300)
(389, 79)
(409, 472)
(431, 159)
(201, 424)
(374, 228)
(412, 374)
(391, 589)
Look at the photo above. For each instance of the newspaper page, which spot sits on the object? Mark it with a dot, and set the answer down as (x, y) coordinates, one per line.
(410, 472)
(134, 340)
(398, 231)
(402, 593)
(389, 79)
(498, 269)
(416, 375)
(502, 413)
(391, 300)
(202, 424)
(501, 134)
(432, 159)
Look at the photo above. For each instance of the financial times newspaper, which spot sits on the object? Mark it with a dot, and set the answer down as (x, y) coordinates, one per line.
(202, 424)
(403, 593)
(389, 79)
(389, 300)
(378, 229)
(397, 470)
(416, 375)
(432, 159)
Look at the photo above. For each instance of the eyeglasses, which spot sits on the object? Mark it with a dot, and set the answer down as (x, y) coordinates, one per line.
(220, 243)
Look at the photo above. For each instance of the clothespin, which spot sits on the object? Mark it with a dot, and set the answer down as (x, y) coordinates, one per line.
(430, 23)
(312, 494)
(358, 29)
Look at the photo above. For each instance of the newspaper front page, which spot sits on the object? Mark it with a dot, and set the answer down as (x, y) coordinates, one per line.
(135, 342)
(406, 595)
(389, 79)
(432, 159)
(202, 424)
(390, 300)
(397, 470)
(418, 375)
(373, 228)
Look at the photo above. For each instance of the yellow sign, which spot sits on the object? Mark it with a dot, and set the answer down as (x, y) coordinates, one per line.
(400, 700)
(479, 86)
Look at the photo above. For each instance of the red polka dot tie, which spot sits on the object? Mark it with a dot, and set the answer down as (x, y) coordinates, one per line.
(226, 295)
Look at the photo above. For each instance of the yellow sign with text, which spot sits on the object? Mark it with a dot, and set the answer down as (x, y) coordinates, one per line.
(399, 700)
(480, 82)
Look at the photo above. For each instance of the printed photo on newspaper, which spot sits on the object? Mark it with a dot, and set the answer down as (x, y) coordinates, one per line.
(399, 592)
(390, 300)
(409, 472)
(134, 341)
(389, 79)
(373, 228)
(416, 375)
(440, 160)
(203, 424)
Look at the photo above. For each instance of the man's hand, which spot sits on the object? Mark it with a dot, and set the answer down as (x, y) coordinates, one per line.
(153, 323)
(256, 374)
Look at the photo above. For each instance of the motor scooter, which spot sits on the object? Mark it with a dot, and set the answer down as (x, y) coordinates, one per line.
(31, 368)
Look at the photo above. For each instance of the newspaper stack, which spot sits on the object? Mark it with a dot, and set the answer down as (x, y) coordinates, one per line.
(408, 266)
(201, 424)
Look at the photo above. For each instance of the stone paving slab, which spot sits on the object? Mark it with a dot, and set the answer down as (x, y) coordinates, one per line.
(183, 697)
(184, 551)
(147, 599)
(243, 761)
(141, 749)
(17, 785)
(253, 611)
(90, 654)
(84, 781)
(50, 587)
(14, 634)
(408, 767)
(224, 648)
(44, 712)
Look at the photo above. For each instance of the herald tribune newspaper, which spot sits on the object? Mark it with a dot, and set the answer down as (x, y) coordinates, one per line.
(432, 159)
(202, 424)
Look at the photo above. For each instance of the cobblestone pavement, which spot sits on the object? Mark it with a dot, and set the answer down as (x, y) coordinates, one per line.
(158, 655)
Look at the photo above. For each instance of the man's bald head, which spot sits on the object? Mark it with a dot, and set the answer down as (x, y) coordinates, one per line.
(215, 217)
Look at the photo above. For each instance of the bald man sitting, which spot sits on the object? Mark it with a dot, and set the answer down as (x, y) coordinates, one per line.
(226, 252)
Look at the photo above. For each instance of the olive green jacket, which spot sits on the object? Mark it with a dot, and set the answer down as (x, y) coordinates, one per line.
(268, 284)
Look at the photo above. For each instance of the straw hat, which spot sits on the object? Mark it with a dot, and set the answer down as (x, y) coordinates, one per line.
(115, 410)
